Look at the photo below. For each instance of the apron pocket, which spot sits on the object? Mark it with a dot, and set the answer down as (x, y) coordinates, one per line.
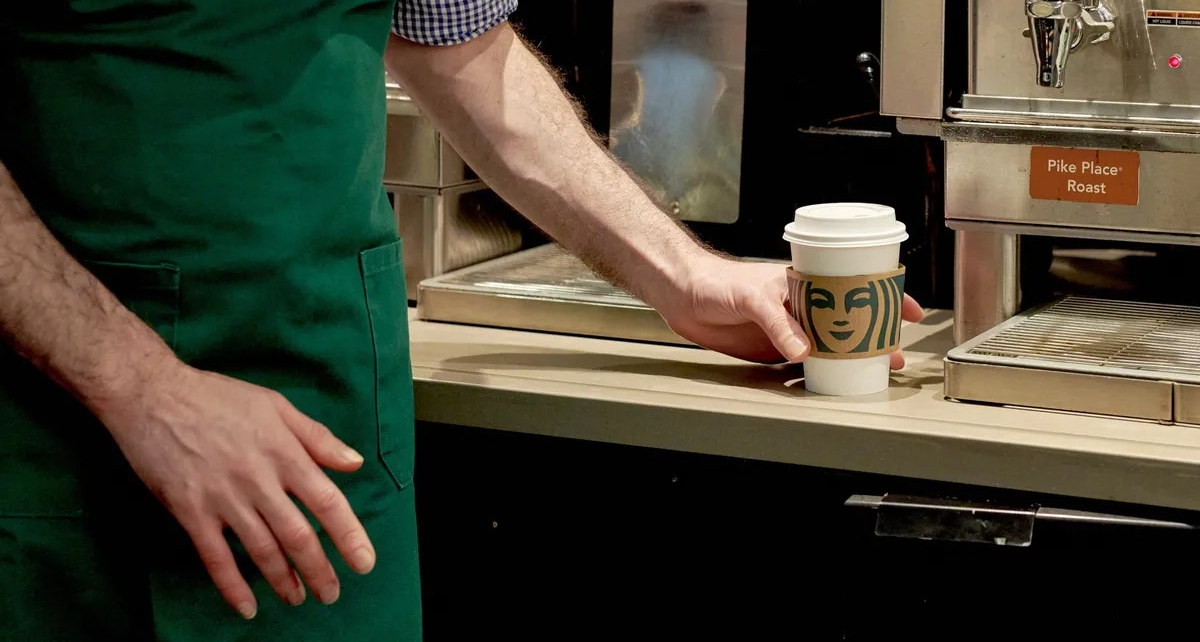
(56, 459)
(387, 306)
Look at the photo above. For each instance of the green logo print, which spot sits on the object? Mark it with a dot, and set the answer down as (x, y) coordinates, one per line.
(850, 316)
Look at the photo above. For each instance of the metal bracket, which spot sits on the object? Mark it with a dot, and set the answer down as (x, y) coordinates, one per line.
(948, 519)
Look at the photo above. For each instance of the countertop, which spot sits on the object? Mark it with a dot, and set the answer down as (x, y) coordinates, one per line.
(693, 400)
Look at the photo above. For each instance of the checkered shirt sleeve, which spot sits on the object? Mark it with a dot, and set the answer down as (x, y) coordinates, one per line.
(448, 22)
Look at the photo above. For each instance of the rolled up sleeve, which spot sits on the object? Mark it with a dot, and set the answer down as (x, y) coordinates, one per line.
(448, 22)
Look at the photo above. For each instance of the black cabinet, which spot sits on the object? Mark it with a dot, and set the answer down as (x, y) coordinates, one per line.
(536, 538)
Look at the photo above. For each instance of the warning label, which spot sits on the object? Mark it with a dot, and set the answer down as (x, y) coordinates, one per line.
(1160, 18)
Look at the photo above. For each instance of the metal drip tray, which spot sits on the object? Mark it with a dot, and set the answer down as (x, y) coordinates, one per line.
(1079, 354)
(544, 289)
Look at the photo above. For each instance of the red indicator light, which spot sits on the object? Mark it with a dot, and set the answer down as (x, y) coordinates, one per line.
(1174, 61)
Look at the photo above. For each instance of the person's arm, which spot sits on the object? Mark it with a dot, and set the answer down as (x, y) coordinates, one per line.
(502, 109)
(56, 314)
(507, 114)
(218, 452)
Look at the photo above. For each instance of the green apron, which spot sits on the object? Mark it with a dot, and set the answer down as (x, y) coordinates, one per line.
(218, 164)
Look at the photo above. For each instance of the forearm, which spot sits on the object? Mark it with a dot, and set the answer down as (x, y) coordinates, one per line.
(60, 317)
(507, 115)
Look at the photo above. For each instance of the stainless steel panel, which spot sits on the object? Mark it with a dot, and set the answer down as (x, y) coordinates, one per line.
(543, 289)
(1062, 135)
(989, 181)
(447, 229)
(1187, 404)
(678, 81)
(1130, 66)
(1090, 355)
(1091, 233)
(1146, 117)
(416, 153)
(1052, 390)
(919, 127)
(986, 281)
(969, 517)
(954, 520)
(911, 56)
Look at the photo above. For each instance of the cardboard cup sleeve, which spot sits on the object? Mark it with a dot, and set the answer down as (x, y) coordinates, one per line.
(848, 317)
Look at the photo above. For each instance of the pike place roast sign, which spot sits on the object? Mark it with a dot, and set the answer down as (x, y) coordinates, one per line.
(1084, 175)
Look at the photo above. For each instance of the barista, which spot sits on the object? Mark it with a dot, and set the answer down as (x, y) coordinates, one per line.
(208, 396)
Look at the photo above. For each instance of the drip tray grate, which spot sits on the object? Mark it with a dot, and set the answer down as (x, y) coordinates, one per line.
(1129, 359)
(546, 271)
(543, 289)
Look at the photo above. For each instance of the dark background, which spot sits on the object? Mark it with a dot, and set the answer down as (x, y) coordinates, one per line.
(539, 538)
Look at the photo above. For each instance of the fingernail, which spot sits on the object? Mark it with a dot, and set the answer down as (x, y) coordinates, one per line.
(351, 455)
(364, 559)
(296, 596)
(795, 347)
(329, 594)
(246, 610)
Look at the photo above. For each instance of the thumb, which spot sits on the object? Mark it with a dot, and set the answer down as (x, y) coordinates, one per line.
(320, 442)
(785, 333)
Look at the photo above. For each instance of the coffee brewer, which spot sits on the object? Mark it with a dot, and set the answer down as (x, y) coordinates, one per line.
(1065, 125)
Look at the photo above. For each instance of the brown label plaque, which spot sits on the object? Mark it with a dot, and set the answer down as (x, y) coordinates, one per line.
(1084, 175)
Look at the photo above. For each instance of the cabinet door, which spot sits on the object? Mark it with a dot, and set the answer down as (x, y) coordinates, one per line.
(556, 539)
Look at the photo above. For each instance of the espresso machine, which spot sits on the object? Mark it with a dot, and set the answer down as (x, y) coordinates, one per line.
(1071, 125)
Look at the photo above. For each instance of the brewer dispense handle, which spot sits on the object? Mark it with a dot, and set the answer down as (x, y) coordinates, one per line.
(1059, 29)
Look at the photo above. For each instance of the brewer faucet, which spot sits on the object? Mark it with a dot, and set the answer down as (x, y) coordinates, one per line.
(1059, 29)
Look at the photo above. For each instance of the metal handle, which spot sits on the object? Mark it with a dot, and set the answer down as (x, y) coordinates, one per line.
(1059, 29)
(1018, 117)
(964, 521)
(868, 65)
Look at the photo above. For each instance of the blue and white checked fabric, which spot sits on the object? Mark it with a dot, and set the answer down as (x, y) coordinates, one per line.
(448, 22)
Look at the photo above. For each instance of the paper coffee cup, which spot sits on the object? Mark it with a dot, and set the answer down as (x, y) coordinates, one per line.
(846, 286)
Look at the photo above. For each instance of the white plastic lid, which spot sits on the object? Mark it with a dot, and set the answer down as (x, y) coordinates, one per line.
(845, 225)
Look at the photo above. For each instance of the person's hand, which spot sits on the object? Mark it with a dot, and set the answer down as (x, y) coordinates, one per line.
(221, 452)
(741, 309)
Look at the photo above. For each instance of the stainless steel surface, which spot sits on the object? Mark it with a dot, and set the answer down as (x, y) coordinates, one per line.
(1060, 80)
(416, 154)
(948, 519)
(848, 133)
(986, 281)
(919, 127)
(1147, 120)
(1131, 67)
(973, 517)
(399, 103)
(1142, 340)
(1075, 392)
(1048, 514)
(1060, 29)
(678, 79)
(912, 43)
(1080, 354)
(1187, 404)
(1072, 136)
(543, 288)
(1061, 232)
(990, 182)
(445, 229)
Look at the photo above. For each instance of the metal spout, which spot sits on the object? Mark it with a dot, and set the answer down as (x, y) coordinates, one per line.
(1059, 29)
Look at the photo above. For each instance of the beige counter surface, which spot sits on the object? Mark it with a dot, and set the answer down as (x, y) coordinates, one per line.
(693, 400)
